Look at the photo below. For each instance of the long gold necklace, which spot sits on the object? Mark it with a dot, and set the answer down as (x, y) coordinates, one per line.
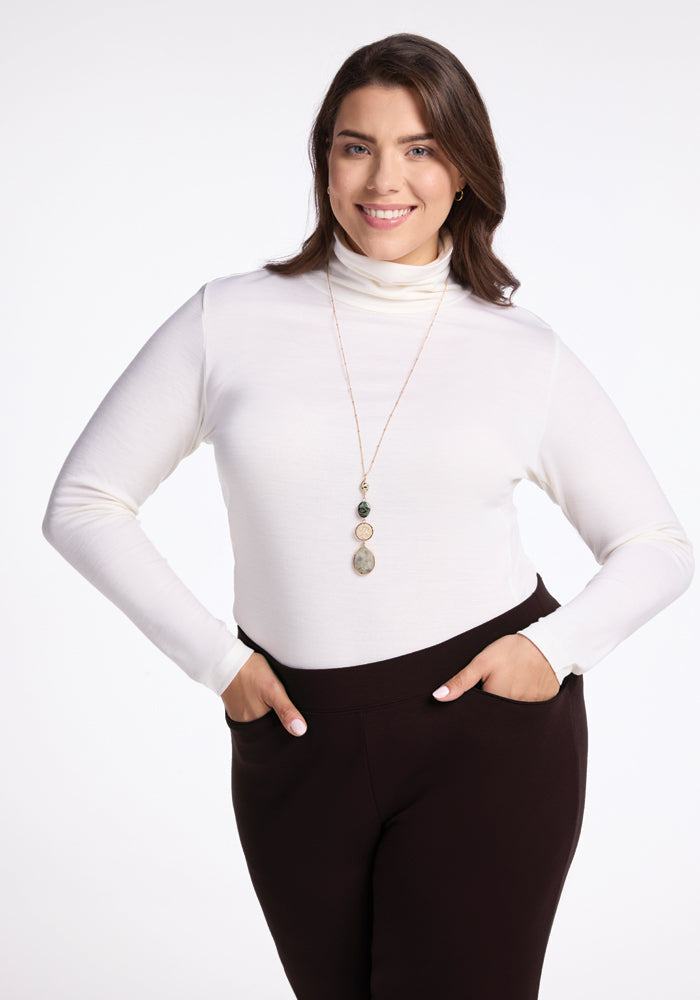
(363, 560)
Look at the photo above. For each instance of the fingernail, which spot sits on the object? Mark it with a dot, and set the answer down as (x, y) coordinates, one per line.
(441, 692)
(298, 727)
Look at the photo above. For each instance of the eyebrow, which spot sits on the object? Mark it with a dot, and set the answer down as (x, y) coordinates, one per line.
(351, 134)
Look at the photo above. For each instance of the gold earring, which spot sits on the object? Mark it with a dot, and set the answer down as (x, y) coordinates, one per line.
(459, 195)
(328, 190)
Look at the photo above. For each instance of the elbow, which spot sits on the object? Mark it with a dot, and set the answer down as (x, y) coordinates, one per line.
(661, 553)
(677, 550)
(680, 550)
(59, 518)
(51, 525)
(688, 565)
(685, 570)
(78, 515)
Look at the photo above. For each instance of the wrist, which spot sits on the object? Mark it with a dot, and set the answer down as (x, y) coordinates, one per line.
(532, 648)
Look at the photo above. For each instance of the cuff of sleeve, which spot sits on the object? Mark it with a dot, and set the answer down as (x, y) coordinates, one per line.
(227, 668)
(540, 635)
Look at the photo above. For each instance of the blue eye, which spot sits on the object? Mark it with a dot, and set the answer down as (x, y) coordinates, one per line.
(355, 148)
(422, 152)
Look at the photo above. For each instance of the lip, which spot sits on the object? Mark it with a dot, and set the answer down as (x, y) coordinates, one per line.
(385, 207)
(375, 223)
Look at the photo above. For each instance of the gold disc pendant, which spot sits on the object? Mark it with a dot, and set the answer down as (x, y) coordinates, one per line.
(363, 560)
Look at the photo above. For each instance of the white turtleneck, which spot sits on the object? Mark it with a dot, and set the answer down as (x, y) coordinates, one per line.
(251, 365)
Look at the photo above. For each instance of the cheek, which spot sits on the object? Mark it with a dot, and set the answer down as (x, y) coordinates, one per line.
(439, 197)
(437, 188)
(337, 183)
(344, 181)
(343, 187)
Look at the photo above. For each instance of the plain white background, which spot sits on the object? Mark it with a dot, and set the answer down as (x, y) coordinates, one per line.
(151, 146)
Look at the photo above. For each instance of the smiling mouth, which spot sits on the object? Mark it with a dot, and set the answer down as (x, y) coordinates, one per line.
(386, 213)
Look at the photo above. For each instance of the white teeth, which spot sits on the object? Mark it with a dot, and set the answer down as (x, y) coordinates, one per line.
(380, 213)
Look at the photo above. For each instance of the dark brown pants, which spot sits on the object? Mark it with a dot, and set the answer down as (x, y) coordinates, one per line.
(404, 849)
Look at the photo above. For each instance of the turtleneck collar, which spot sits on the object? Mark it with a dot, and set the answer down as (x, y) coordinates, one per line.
(384, 286)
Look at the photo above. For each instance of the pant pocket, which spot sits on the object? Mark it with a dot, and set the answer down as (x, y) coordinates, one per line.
(527, 705)
(236, 724)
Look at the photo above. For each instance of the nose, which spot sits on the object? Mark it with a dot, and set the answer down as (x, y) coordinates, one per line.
(385, 176)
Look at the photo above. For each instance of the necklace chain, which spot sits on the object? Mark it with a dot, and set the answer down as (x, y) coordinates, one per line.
(363, 560)
(366, 471)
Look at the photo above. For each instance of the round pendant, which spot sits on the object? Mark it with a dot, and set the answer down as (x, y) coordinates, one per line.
(364, 531)
(363, 560)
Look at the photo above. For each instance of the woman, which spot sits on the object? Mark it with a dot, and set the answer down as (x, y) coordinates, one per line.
(405, 698)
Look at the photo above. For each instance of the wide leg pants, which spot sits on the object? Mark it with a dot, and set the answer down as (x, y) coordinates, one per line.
(406, 849)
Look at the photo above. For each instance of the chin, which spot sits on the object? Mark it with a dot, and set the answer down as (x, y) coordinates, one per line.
(382, 249)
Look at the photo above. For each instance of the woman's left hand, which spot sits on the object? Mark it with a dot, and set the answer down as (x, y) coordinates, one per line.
(512, 667)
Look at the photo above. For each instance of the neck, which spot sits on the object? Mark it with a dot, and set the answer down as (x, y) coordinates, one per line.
(416, 258)
(390, 286)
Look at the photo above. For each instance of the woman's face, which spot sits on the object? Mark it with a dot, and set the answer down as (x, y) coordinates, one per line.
(383, 159)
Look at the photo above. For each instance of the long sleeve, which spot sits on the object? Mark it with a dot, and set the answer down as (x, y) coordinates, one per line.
(251, 365)
(589, 464)
(152, 418)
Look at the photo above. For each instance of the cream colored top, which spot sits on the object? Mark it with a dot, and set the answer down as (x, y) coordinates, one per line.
(250, 364)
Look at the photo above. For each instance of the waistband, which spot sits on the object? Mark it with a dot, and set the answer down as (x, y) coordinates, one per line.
(408, 675)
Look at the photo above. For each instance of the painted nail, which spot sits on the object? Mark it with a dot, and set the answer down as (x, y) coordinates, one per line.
(298, 727)
(441, 692)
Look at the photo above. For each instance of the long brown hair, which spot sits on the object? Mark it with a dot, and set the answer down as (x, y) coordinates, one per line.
(461, 126)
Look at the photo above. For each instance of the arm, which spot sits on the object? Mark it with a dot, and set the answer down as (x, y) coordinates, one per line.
(149, 421)
(589, 464)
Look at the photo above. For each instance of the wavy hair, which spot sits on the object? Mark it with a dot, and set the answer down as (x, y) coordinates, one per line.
(462, 129)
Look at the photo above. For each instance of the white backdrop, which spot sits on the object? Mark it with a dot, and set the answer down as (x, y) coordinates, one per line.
(151, 146)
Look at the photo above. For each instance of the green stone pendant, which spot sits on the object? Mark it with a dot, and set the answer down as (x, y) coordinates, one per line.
(363, 560)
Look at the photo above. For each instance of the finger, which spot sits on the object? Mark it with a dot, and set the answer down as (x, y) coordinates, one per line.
(457, 685)
(289, 715)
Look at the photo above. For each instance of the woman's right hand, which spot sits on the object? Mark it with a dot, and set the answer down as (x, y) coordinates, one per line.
(255, 690)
